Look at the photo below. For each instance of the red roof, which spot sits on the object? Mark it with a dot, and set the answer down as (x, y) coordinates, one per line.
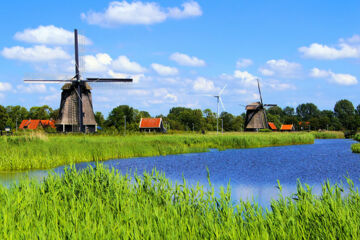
(272, 126)
(287, 127)
(150, 122)
(34, 124)
(304, 123)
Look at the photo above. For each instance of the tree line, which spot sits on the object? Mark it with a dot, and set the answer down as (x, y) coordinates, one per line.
(344, 116)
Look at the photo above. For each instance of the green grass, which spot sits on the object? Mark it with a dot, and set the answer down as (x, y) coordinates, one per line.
(39, 151)
(357, 137)
(328, 134)
(102, 204)
(355, 148)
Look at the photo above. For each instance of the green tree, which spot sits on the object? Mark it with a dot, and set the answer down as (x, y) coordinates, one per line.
(100, 120)
(358, 110)
(42, 112)
(344, 110)
(227, 120)
(288, 111)
(3, 117)
(15, 115)
(306, 111)
(117, 117)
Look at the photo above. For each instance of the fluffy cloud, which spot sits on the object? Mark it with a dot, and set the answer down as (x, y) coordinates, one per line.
(276, 85)
(281, 68)
(122, 63)
(98, 63)
(147, 13)
(39, 53)
(319, 51)
(162, 94)
(164, 70)
(243, 63)
(4, 86)
(246, 78)
(32, 88)
(136, 77)
(203, 84)
(338, 78)
(49, 35)
(185, 60)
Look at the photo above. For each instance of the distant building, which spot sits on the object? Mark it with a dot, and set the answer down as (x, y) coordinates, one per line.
(35, 124)
(152, 125)
(272, 126)
(304, 125)
(287, 127)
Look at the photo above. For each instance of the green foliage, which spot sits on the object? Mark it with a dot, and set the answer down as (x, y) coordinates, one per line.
(99, 118)
(328, 134)
(306, 111)
(265, 130)
(42, 112)
(3, 117)
(357, 137)
(39, 151)
(97, 203)
(345, 112)
(117, 117)
(355, 148)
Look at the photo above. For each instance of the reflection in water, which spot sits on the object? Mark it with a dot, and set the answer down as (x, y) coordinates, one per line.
(251, 173)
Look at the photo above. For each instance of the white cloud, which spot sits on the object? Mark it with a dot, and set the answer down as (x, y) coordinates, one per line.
(244, 63)
(49, 35)
(164, 70)
(136, 77)
(281, 68)
(122, 63)
(164, 95)
(39, 53)
(319, 51)
(185, 60)
(247, 79)
(146, 13)
(190, 9)
(32, 88)
(203, 84)
(98, 63)
(51, 98)
(276, 85)
(4, 86)
(338, 78)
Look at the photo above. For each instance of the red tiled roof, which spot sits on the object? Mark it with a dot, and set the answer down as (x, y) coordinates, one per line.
(150, 122)
(34, 124)
(272, 126)
(304, 123)
(287, 127)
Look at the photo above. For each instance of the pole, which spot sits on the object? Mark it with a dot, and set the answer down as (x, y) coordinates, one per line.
(217, 116)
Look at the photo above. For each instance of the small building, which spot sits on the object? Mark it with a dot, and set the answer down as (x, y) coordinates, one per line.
(36, 123)
(287, 127)
(304, 125)
(152, 125)
(272, 126)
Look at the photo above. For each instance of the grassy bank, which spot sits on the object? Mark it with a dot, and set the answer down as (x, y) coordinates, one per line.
(355, 148)
(99, 204)
(357, 137)
(328, 134)
(39, 151)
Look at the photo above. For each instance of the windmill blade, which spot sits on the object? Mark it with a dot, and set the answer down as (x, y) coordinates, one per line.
(222, 90)
(222, 104)
(270, 105)
(108, 80)
(48, 81)
(259, 91)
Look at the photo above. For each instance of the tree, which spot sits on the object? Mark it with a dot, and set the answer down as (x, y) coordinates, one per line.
(288, 111)
(306, 111)
(3, 117)
(228, 121)
(344, 110)
(358, 110)
(238, 124)
(100, 120)
(42, 112)
(117, 117)
(275, 110)
(15, 115)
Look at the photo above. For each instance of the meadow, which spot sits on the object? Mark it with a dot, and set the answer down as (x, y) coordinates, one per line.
(328, 134)
(97, 203)
(40, 151)
(355, 148)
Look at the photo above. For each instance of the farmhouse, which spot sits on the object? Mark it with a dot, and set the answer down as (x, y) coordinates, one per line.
(152, 125)
(36, 124)
(287, 127)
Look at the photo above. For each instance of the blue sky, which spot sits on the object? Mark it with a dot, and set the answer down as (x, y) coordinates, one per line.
(179, 52)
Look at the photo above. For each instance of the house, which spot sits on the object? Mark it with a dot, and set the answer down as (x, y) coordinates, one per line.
(152, 125)
(36, 123)
(304, 125)
(272, 126)
(287, 127)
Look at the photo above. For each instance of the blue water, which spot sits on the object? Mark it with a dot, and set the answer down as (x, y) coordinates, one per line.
(251, 173)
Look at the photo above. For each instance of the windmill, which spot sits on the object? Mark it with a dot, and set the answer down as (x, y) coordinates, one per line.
(218, 99)
(76, 112)
(256, 114)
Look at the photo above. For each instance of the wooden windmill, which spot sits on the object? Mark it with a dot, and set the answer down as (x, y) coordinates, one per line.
(76, 112)
(256, 114)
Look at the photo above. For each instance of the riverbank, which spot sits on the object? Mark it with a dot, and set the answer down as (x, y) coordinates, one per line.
(328, 134)
(41, 151)
(102, 204)
(355, 148)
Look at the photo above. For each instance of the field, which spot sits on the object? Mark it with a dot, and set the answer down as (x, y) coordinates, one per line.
(355, 148)
(102, 204)
(328, 134)
(40, 151)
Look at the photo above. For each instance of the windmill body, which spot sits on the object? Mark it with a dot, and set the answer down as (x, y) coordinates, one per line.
(256, 118)
(76, 112)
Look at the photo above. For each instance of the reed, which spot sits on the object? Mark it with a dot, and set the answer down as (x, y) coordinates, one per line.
(39, 151)
(357, 137)
(103, 204)
(355, 148)
(328, 134)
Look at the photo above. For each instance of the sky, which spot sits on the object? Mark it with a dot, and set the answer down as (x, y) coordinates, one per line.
(181, 53)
